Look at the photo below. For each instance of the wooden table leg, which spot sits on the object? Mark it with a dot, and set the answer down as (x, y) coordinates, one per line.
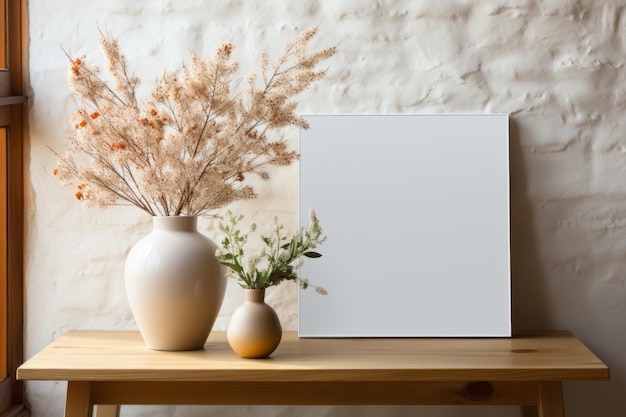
(107, 410)
(78, 402)
(551, 400)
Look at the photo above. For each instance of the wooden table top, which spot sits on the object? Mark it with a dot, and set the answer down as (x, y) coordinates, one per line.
(105, 355)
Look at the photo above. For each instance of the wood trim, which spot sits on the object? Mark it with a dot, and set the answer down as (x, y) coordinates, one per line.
(11, 115)
(15, 252)
(3, 250)
(16, 44)
(5, 116)
(5, 393)
(528, 411)
(7, 407)
(5, 83)
(16, 410)
(10, 100)
(3, 45)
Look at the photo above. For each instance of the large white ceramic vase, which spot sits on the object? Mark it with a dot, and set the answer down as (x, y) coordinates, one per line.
(175, 284)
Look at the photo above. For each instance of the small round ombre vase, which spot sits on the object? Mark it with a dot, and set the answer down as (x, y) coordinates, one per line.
(254, 330)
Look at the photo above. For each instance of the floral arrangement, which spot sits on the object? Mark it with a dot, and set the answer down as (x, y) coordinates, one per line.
(190, 145)
(278, 261)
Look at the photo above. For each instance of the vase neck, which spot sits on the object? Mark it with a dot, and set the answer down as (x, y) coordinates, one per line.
(254, 296)
(175, 223)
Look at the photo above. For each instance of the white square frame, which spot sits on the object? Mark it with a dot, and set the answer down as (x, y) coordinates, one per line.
(416, 210)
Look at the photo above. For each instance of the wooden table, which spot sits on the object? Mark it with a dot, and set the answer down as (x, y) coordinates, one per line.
(109, 368)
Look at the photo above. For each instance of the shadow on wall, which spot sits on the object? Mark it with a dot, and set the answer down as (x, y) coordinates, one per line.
(530, 304)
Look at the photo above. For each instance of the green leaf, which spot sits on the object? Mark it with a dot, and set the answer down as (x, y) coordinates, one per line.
(234, 267)
(312, 254)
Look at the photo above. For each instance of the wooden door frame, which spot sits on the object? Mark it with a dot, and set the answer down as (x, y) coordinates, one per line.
(13, 83)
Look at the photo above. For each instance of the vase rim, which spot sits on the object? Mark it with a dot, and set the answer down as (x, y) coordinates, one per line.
(178, 223)
(254, 294)
(174, 216)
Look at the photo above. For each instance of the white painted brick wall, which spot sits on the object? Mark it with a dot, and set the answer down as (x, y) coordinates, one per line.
(556, 66)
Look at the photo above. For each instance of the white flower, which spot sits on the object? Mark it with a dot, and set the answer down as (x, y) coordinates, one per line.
(297, 264)
(279, 260)
(321, 291)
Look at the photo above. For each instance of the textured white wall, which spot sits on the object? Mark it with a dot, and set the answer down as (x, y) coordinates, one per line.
(556, 66)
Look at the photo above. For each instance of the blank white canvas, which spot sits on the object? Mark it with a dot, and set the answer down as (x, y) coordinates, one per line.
(416, 210)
